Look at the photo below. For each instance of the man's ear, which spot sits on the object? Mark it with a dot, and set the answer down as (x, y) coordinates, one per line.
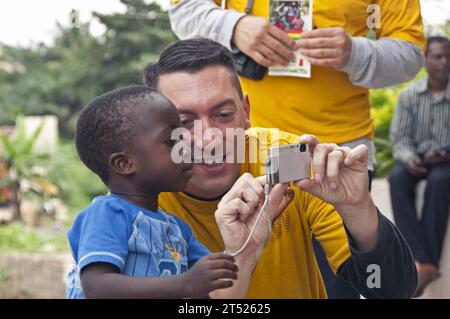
(121, 163)
(247, 111)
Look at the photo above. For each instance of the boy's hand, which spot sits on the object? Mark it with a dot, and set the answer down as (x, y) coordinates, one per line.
(208, 274)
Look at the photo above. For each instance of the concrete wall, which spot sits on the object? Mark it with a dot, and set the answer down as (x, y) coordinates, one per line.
(33, 276)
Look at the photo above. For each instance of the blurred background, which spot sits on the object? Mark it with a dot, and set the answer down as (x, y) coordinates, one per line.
(55, 56)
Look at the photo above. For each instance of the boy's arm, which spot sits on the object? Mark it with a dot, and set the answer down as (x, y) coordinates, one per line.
(246, 263)
(104, 281)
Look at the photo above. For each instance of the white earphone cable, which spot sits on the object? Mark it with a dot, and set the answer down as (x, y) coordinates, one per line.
(263, 208)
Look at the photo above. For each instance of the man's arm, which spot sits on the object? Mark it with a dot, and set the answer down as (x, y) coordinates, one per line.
(394, 58)
(370, 64)
(386, 271)
(340, 179)
(203, 18)
(254, 36)
(397, 55)
(380, 63)
(385, 255)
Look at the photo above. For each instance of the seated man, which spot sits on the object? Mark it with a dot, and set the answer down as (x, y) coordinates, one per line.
(420, 131)
(198, 76)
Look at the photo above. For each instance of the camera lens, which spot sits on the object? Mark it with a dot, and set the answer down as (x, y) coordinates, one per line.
(302, 148)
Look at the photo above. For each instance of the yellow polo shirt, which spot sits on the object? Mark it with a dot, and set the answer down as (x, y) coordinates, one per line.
(328, 105)
(287, 268)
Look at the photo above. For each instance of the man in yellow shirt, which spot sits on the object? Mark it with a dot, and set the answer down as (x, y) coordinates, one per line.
(199, 77)
(334, 103)
(346, 61)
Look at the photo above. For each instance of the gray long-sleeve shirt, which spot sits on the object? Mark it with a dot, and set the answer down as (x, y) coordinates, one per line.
(372, 64)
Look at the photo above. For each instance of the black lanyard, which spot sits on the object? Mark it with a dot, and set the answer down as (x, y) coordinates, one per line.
(249, 6)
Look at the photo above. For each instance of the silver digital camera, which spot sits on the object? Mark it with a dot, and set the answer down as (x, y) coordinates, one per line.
(288, 163)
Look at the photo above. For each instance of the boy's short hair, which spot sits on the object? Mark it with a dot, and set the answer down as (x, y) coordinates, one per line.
(108, 124)
(191, 56)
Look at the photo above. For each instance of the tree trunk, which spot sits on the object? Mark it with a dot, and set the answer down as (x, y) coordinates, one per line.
(17, 214)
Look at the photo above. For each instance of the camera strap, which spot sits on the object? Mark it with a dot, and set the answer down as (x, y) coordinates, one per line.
(263, 209)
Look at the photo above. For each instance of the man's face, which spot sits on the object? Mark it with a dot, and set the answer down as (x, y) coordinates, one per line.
(208, 96)
(437, 61)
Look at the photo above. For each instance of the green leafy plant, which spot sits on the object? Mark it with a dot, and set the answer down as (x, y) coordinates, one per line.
(20, 158)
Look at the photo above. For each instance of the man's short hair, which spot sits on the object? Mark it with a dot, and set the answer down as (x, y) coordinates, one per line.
(433, 39)
(109, 124)
(192, 56)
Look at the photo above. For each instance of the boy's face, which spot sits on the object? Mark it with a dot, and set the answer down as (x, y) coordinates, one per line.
(155, 170)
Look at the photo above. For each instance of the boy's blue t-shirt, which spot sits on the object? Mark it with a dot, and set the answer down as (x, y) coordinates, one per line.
(140, 243)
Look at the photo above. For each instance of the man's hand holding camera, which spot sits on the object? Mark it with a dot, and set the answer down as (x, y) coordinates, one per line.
(341, 179)
(237, 214)
(238, 210)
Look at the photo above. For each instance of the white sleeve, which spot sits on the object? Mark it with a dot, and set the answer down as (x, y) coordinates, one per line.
(384, 62)
(203, 18)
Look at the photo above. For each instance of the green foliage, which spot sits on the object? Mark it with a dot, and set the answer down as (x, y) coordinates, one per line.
(18, 149)
(64, 77)
(3, 275)
(78, 185)
(18, 237)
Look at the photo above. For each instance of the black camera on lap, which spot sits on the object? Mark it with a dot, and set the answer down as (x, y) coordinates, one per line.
(445, 148)
(437, 152)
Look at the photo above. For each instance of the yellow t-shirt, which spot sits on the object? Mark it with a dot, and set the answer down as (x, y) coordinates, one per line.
(328, 105)
(287, 268)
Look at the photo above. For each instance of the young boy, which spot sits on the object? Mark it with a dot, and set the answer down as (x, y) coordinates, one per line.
(123, 245)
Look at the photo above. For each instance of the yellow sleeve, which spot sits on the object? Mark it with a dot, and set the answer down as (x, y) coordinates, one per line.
(327, 227)
(401, 19)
